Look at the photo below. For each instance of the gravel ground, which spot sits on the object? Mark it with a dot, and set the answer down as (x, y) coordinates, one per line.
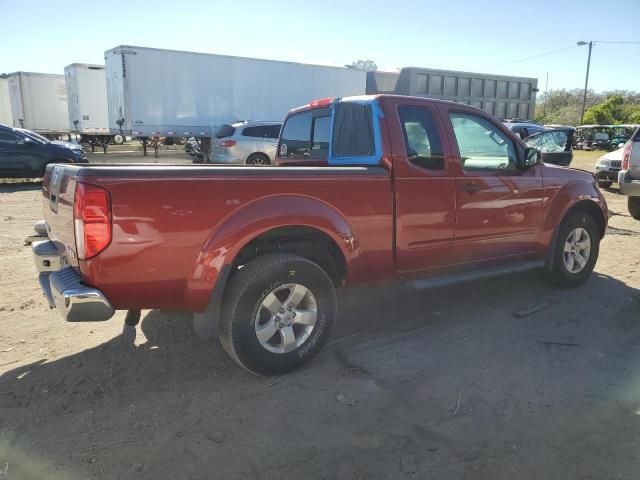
(448, 383)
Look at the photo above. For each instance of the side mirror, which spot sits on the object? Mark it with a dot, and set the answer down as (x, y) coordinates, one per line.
(532, 156)
(27, 142)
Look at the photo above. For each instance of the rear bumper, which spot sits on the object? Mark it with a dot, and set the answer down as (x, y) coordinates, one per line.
(628, 187)
(229, 155)
(63, 287)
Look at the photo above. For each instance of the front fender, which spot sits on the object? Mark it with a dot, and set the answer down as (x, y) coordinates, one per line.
(567, 197)
(248, 222)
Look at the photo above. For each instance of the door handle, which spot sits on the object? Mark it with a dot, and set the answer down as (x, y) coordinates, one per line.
(470, 187)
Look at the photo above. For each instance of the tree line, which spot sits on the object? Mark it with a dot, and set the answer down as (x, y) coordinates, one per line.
(606, 108)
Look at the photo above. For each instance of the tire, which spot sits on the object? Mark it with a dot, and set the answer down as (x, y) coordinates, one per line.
(633, 204)
(258, 159)
(118, 139)
(560, 274)
(604, 183)
(267, 280)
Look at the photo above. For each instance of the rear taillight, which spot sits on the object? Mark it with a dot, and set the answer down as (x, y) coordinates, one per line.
(92, 219)
(626, 154)
(228, 143)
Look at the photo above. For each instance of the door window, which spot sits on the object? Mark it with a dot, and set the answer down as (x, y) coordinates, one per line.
(9, 138)
(257, 132)
(548, 142)
(262, 131)
(421, 137)
(481, 144)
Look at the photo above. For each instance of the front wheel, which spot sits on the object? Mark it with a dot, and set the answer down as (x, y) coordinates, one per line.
(633, 204)
(277, 313)
(576, 250)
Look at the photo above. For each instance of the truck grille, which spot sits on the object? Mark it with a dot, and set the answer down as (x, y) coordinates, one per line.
(616, 163)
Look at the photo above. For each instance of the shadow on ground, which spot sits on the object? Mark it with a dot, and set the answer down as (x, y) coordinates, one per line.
(459, 382)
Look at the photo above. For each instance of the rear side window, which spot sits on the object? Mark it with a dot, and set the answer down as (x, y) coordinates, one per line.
(224, 131)
(353, 130)
(421, 137)
(305, 135)
(262, 131)
(273, 131)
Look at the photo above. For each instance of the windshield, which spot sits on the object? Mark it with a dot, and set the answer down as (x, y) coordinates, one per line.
(33, 135)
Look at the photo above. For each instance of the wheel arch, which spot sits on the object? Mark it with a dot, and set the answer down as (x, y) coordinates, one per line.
(259, 153)
(289, 223)
(590, 206)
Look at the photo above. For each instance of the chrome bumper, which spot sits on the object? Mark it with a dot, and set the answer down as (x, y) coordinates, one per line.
(62, 285)
(628, 187)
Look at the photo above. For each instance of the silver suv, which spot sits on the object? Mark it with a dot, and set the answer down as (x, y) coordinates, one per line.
(251, 143)
(629, 176)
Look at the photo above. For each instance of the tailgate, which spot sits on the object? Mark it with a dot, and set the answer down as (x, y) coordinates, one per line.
(58, 190)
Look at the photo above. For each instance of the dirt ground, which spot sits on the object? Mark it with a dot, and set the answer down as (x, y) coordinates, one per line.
(447, 383)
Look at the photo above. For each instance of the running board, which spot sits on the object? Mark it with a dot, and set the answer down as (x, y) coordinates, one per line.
(477, 274)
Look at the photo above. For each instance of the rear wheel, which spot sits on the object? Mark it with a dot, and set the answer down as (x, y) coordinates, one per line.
(118, 139)
(258, 159)
(633, 204)
(576, 250)
(277, 313)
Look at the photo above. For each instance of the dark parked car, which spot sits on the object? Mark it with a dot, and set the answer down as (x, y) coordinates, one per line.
(26, 154)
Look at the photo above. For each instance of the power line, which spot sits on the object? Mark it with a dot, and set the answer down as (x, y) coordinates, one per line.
(534, 56)
(553, 52)
(628, 43)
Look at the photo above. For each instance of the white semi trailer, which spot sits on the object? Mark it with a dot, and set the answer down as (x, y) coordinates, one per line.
(87, 99)
(39, 103)
(168, 93)
(5, 102)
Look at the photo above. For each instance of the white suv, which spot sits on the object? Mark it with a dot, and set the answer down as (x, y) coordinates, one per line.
(629, 176)
(251, 143)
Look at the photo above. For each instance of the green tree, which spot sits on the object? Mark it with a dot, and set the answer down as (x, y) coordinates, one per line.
(611, 107)
(366, 65)
(612, 111)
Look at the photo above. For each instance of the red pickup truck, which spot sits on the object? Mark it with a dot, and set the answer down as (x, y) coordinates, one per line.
(367, 189)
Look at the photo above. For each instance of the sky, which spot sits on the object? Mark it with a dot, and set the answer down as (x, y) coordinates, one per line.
(486, 36)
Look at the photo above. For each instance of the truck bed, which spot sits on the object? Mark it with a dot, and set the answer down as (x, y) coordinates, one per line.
(172, 223)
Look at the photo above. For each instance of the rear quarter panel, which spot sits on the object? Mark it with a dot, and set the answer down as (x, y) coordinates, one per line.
(174, 230)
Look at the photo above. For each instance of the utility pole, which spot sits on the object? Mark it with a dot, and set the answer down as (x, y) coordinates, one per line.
(586, 80)
(546, 99)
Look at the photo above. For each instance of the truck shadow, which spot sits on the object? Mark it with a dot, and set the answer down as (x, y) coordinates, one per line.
(19, 185)
(127, 410)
